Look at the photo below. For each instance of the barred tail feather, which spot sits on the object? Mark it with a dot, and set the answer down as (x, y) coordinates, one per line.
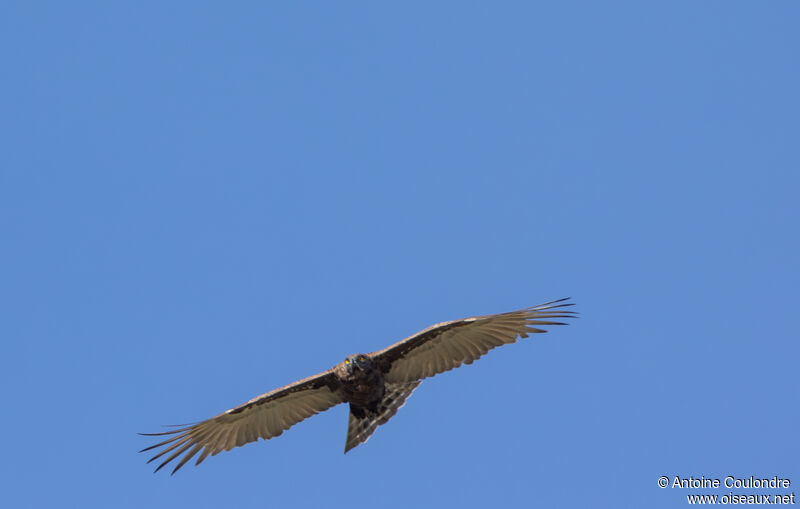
(363, 422)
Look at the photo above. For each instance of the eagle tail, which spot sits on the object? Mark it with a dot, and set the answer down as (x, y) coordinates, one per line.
(364, 421)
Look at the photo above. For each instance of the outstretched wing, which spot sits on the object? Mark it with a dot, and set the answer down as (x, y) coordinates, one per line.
(448, 345)
(265, 416)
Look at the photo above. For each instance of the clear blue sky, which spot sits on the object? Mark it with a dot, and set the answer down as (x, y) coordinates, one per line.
(202, 202)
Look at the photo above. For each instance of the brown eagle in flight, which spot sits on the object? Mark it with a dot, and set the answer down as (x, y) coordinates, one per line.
(375, 385)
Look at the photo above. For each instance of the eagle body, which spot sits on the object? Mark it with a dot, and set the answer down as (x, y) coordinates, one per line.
(361, 381)
(375, 385)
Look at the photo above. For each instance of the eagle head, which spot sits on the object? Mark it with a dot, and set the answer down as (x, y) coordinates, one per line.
(357, 364)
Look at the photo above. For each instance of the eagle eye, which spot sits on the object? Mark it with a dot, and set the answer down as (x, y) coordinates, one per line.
(347, 361)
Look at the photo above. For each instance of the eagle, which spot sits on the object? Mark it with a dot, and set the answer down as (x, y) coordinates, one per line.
(375, 385)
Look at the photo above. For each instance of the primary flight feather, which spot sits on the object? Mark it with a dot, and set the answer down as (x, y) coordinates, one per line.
(375, 385)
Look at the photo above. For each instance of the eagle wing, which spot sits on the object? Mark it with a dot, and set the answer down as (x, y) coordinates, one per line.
(448, 345)
(265, 416)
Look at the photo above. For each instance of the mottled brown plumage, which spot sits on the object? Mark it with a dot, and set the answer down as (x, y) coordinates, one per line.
(375, 385)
